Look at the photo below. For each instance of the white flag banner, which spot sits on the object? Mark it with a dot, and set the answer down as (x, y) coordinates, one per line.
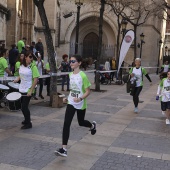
(126, 43)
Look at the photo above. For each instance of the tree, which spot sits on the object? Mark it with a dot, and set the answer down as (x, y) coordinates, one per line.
(50, 49)
(97, 87)
(136, 12)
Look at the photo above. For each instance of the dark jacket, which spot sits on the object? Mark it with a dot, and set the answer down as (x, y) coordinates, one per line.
(13, 55)
(39, 47)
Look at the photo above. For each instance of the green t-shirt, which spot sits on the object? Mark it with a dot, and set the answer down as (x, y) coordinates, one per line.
(47, 66)
(17, 66)
(3, 66)
(20, 45)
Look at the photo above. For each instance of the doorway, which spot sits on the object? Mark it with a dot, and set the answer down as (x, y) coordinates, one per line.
(90, 45)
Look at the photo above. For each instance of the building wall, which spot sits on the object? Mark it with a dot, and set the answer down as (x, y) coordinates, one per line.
(3, 22)
(153, 29)
(53, 17)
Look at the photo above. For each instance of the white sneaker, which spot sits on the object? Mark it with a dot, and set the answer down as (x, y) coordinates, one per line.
(136, 110)
(163, 113)
(167, 122)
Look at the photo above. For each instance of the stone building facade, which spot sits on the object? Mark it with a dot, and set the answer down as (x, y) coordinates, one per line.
(3, 19)
(24, 21)
(154, 30)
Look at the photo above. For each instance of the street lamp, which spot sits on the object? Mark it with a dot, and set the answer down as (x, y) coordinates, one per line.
(160, 43)
(166, 49)
(79, 3)
(142, 42)
(124, 25)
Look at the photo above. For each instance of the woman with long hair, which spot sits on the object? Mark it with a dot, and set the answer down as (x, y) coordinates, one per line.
(28, 75)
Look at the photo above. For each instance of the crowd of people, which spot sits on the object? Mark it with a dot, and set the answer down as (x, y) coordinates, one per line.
(26, 63)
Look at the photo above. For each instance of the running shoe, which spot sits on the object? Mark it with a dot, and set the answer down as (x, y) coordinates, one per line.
(163, 113)
(167, 122)
(61, 152)
(93, 130)
(136, 110)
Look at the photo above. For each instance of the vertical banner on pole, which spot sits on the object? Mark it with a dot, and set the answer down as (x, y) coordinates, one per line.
(126, 43)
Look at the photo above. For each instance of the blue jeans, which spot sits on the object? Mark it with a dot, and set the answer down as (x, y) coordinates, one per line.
(65, 78)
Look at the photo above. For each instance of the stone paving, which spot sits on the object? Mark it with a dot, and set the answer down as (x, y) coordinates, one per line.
(124, 140)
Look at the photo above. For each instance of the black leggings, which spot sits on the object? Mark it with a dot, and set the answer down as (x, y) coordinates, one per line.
(41, 86)
(136, 95)
(69, 114)
(25, 110)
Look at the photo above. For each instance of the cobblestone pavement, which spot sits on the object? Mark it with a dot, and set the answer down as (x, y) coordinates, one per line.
(124, 140)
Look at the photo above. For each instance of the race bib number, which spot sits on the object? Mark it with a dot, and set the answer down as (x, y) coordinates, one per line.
(75, 94)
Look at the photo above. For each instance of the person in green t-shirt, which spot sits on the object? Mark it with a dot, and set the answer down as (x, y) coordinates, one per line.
(21, 44)
(79, 91)
(18, 63)
(3, 63)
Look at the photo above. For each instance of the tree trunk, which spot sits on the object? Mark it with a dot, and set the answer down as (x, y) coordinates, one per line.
(118, 43)
(135, 42)
(50, 47)
(97, 88)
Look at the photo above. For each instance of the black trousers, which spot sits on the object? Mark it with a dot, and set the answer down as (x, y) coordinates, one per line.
(41, 86)
(24, 107)
(48, 85)
(136, 93)
(66, 79)
(69, 114)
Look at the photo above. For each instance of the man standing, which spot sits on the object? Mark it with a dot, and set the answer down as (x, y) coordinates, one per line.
(21, 44)
(33, 49)
(39, 47)
(13, 55)
(165, 67)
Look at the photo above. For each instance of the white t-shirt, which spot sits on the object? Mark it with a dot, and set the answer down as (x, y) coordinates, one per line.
(165, 90)
(138, 76)
(78, 83)
(27, 74)
(166, 68)
(26, 78)
(107, 66)
(39, 66)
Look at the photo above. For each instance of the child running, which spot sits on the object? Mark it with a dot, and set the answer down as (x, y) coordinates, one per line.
(79, 91)
(164, 93)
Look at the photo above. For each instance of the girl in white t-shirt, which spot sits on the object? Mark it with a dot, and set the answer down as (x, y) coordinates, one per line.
(79, 91)
(28, 75)
(164, 93)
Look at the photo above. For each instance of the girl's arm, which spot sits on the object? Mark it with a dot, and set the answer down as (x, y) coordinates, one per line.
(33, 86)
(85, 95)
(16, 80)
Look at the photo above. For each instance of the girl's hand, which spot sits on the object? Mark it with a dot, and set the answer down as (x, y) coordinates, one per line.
(29, 93)
(65, 100)
(77, 100)
(150, 83)
(15, 81)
